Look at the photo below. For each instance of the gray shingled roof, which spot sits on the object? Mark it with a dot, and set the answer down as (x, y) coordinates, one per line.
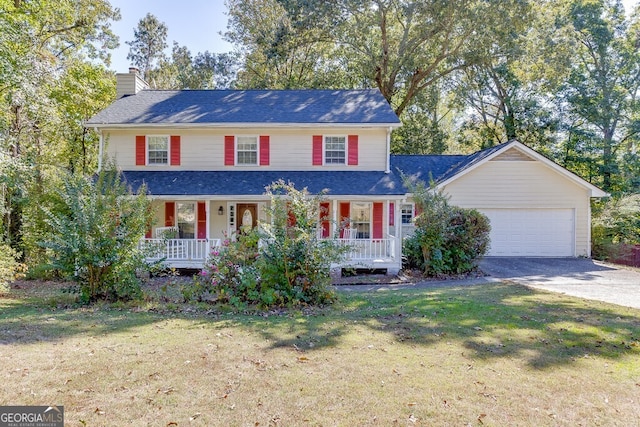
(338, 183)
(253, 183)
(153, 107)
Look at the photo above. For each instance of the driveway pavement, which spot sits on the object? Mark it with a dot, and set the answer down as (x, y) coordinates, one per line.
(578, 277)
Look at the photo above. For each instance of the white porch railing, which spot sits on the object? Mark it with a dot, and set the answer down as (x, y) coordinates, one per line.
(192, 253)
(370, 249)
(178, 250)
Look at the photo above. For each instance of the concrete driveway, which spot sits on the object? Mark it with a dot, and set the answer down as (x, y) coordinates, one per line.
(578, 277)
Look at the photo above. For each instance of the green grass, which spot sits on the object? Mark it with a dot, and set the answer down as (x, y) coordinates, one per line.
(495, 354)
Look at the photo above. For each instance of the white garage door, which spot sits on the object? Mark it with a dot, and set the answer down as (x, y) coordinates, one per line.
(531, 232)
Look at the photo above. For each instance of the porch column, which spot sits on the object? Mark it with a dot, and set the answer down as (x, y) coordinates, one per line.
(334, 216)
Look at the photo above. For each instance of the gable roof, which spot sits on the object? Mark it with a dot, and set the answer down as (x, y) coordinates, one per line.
(480, 157)
(247, 108)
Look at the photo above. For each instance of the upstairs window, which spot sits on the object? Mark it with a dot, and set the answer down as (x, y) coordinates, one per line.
(247, 150)
(158, 149)
(334, 150)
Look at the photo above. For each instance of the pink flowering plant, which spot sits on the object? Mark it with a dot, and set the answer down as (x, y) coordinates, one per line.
(230, 275)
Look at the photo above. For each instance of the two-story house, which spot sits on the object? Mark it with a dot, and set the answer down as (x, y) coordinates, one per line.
(206, 157)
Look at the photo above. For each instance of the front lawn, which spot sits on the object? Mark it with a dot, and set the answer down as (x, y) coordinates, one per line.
(494, 354)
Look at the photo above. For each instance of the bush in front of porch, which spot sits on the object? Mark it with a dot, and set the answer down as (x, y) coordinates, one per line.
(290, 266)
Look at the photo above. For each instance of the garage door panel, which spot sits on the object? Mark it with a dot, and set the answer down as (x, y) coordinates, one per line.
(531, 232)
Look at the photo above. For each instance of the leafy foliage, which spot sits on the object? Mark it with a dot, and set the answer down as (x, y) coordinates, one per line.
(10, 268)
(148, 44)
(616, 223)
(94, 234)
(448, 239)
(291, 265)
(294, 261)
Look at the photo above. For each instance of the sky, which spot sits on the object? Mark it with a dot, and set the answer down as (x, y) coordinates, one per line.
(196, 24)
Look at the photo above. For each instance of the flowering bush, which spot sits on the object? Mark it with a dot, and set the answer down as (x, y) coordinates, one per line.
(291, 266)
(230, 274)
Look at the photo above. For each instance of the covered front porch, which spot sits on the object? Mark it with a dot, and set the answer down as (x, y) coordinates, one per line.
(185, 232)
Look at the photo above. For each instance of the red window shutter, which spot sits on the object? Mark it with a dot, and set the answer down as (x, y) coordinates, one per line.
(169, 214)
(264, 150)
(291, 218)
(417, 210)
(378, 219)
(345, 212)
(324, 218)
(353, 150)
(141, 150)
(229, 150)
(202, 221)
(317, 150)
(175, 150)
(392, 214)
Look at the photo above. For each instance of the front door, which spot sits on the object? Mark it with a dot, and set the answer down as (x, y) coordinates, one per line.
(246, 216)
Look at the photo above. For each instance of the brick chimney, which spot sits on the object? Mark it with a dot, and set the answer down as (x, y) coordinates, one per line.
(129, 83)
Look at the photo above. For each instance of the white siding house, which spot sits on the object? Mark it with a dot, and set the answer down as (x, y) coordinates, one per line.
(207, 156)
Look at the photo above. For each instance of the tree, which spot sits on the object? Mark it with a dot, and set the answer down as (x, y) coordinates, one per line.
(95, 227)
(148, 44)
(602, 91)
(38, 39)
(204, 71)
(285, 45)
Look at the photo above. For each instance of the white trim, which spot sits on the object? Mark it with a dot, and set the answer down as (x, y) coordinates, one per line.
(100, 148)
(413, 213)
(388, 150)
(107, 126)
(324, 150)
(594, 191)
(146, 148)
(235, 150)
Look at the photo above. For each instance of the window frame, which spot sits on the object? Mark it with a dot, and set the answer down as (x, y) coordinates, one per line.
(148, 150)
(256, 152)
(403, 215)
(344, 150)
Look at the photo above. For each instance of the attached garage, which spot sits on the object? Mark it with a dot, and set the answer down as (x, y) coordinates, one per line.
(536, 207)
(532, 232)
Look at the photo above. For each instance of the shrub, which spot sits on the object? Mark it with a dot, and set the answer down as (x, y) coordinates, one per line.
(94, 234)
(230, 274)
(447, 239)
(616, 224)
(290, 266)
(294, 262)
(10, 268)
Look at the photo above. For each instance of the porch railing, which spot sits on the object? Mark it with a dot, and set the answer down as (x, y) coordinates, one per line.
(370, 250)
(198, 250)
(178, 249)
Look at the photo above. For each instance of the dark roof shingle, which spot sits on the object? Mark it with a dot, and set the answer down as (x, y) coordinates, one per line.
(154, 107)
